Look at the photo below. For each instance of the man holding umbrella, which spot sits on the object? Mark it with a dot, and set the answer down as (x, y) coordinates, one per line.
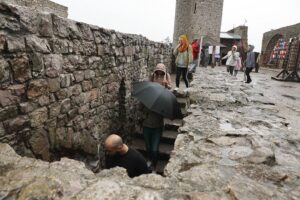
(153, 96)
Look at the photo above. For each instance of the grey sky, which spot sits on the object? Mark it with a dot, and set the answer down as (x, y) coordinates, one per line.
(155, 18)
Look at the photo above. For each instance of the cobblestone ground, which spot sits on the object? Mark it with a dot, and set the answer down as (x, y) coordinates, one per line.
(239, 137)
(285, 95)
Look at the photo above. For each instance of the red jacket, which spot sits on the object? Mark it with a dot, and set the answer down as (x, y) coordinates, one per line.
(195, 47)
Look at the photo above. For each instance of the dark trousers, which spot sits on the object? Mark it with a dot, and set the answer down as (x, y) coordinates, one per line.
(152, 140)
(248, 71)
(230, 69)
(183, 71)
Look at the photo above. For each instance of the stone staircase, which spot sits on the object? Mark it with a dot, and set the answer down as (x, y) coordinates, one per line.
(168, 137)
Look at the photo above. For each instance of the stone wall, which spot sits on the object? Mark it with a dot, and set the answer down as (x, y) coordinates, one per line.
(243, 32)
(198, 17)
(41, 6)
(65, 85)
(270, 38)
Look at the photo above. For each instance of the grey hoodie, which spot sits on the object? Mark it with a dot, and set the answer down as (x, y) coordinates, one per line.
(250, 61)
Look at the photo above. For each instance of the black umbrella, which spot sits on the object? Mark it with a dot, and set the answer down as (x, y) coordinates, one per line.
(157, 98)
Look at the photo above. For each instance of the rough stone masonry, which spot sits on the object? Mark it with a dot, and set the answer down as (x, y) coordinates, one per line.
(65, 85)
(234, 145)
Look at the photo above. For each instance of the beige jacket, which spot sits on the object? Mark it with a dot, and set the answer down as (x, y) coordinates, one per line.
(164, 79)
(183, 59)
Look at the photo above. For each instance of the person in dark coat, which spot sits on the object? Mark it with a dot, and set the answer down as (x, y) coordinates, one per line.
(250, 63)
(119, 154)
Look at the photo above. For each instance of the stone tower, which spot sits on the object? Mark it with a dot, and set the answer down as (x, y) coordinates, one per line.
(198, 17)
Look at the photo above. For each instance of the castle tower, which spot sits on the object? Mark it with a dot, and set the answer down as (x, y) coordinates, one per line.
(198, 17)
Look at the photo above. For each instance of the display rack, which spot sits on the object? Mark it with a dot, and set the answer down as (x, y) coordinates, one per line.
(291, 62)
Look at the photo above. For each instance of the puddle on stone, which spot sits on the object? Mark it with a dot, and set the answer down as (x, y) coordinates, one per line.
(226, 127)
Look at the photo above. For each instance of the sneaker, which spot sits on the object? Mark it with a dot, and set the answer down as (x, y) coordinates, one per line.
(175, 89)
(149, 163)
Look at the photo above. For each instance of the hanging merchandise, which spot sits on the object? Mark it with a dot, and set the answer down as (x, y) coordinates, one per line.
(279, 52)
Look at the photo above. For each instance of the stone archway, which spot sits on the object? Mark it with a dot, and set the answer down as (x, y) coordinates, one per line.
(270, 48)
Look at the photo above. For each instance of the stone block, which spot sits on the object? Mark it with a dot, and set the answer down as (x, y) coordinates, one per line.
(38, 117)
(8, 112)
(18, 89)
(66, 80)
(6, 98)
(53, 65)
(4, 71)
(45, 25)
(54, 84)
(72, 113)
(100, 37)
(79, 76)
(92, 95)
(15, 44)
(87, 85)
(83, 109)
(28, 20)
(37, 88)
(64, 137)
(65, 28)
(2, 130)
(63, 94)
(36, 44)
(60, 46)
(76, 60)
(62, 120)
(128, 51)
(16, 124)
(43, 100)
(27, 107)
(65, 106)
(94, 62)
(75, 90)
(54, 109)
(89, 48)
(37, 64)
(89, 74)
(86, 31)
(21, 69)
(40, 144)
(78, 123)
(2, 42)
(78, 100)
(9, 22)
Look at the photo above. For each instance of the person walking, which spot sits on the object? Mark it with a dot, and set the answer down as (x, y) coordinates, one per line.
(184, 56)
(153, 123)
(196, 49)
(250, 63)
(231, 59)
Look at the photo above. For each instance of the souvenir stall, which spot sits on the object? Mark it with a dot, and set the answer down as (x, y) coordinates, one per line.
(279, 53)
(291, 62)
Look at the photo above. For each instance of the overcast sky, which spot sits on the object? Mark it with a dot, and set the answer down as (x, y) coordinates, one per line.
(155, 18)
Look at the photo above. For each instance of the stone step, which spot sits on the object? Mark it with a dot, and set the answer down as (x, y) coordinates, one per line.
(171, 135)
(168, 136)
(161, 164)
(184, 112)
(183, 102)
(173, 125)
(164, 149)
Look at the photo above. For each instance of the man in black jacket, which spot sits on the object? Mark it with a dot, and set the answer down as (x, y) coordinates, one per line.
(119, 154)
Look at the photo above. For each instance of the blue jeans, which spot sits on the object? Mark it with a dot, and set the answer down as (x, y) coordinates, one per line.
(152, 140)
